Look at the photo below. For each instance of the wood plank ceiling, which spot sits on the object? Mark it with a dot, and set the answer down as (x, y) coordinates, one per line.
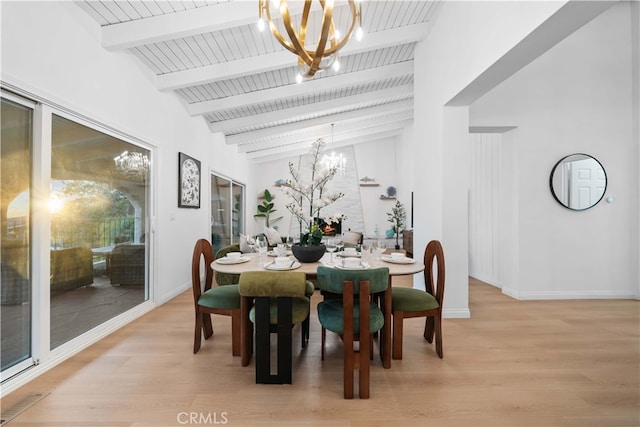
(242, 81)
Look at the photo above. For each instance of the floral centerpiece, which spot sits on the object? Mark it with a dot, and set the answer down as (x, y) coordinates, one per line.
(308, 198)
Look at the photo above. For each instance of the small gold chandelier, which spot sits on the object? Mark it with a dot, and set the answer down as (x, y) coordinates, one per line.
(334, 160)
(325, 54)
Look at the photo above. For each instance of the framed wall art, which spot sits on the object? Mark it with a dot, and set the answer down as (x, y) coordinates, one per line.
(188, 182)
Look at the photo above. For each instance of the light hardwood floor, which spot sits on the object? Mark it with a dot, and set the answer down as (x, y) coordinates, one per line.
(514, 363)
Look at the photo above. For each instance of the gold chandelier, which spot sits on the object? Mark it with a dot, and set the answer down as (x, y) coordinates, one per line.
(325, 54)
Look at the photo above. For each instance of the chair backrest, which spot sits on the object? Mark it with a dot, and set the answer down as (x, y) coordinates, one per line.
(352, 238)
(226, 278)
(434, 250)
(272, 284)
(332, 280)
(202, 249)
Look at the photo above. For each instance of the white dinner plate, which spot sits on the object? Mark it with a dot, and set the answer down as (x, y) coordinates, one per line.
(361, 266)
(274, 254)
(225, 260)
(404, 260)
(346, 255)
(274, 267)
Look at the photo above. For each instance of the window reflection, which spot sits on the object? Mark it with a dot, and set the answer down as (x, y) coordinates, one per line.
(99, 195)
(578, 181)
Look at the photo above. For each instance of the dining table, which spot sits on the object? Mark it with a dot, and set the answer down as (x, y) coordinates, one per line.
(256, 262)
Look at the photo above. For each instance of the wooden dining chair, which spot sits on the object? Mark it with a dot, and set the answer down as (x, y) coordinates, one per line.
(411, 302)
(354, 317)
(224, 300)
(280, 302)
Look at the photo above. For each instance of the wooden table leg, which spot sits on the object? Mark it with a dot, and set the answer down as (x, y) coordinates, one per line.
(246, 331)
(385, 338)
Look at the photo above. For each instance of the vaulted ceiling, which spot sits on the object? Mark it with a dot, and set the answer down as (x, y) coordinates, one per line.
(241, 81)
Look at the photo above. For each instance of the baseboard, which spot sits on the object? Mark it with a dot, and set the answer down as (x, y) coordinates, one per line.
(457, 313)
(487, 280)
(168, 296)
(559, 295)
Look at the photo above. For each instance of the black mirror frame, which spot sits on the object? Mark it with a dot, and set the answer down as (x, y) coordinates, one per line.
(606, 178)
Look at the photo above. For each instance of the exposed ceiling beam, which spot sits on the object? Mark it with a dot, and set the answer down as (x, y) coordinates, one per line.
(344, 132)
(394, 93)
(303, 147)
(176, 25)
(264, 63)
(312, 86)
(362, 114)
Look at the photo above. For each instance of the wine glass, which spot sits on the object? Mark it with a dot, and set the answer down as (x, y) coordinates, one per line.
(331, 247)
(339, 242)
(261, 246)
(288, 243)
(381, 246)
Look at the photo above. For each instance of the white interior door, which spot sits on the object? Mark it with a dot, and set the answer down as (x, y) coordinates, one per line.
(587, 183)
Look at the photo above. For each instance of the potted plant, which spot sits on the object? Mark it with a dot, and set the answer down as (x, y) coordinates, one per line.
(307, 200)
(396, 218)
(266, 208)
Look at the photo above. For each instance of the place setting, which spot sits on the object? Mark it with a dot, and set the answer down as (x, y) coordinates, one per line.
(351, 263)
(233, 258)
(347, 259)
(397, 258)
(349, 253)
(282, 263)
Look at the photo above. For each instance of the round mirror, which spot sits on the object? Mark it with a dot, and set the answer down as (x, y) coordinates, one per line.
(578, 181)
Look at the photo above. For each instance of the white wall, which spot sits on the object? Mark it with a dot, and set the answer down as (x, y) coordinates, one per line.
(471, 47)
(575, 98)
(53, 50)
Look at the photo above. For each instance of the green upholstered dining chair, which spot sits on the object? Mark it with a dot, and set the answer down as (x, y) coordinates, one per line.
(209, 300)
(411, 302)
(348, 317)
(223, 279)
(280, 302)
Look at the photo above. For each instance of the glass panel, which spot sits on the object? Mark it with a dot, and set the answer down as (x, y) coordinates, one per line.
(15, 181)
(220, 208)
(237, 217)
(99, 198)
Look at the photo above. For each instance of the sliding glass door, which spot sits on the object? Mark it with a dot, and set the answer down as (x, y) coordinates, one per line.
(227, 211)
(16, 142)
(99, 196)
(74, 247)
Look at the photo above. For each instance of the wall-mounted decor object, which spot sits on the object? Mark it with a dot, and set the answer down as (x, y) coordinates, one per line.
(368, 182)
(391, 193)
(578, 181)
(188, 182)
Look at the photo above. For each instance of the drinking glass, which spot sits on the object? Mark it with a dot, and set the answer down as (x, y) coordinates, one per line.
(365, 252)
(381, 246)
(331, 248)
(261, 246)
